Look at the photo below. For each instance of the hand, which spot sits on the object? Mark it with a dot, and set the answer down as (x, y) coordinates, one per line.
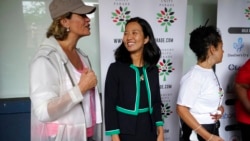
(160, 133)
(87, 81)
(216, 115)
(215, 138)
(160, 137)
(115, 138)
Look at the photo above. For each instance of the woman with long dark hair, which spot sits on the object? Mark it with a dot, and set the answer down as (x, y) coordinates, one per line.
(132, 92)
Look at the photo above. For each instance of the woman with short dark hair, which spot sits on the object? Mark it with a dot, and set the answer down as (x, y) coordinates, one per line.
(200, 95)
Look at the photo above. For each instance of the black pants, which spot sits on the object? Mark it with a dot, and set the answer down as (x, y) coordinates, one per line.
(212, 128)
(90, 139)
(245, 130)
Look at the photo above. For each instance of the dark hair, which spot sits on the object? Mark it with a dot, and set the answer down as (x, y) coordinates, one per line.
(151, 51)
(203, 37)
(57, 30)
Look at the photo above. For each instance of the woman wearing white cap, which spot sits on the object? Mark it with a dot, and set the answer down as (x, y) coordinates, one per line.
(63, 92)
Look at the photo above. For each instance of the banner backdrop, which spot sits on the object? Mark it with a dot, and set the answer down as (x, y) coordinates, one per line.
(167, 18)
(233, 20)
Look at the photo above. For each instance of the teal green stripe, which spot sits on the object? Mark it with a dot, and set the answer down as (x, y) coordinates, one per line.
(136, 109)
(112, 132)
(131, 112)
(144, 110)
(148, 89)
(126, 111)
(159, 123)
(138, 86)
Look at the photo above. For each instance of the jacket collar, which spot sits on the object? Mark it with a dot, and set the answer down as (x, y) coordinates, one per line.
(54, 45)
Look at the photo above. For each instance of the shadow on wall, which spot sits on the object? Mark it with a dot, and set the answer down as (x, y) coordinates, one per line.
(15, 119)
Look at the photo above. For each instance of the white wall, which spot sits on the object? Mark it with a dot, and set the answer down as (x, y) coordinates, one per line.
(198, 11)
(19, 41)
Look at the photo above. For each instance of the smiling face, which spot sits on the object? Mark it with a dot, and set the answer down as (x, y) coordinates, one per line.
(134, 38)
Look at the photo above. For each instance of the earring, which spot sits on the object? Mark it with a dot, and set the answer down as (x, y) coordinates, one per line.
(67, 29)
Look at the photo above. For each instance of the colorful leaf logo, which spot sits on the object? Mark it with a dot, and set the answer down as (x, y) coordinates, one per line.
(120, 17)
(166, 18)
(165, 68)
(165, 110)
(247, 13)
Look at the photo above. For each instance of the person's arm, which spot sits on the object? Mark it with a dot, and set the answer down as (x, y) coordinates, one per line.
(87, 81)
(115, 137)
(156, 96)
(241, 92)
(221, 108)
(186, 116)
(242, 85)
(45, 93)
(110, 100)
(160, 133)
(155, 84)
(217, 115)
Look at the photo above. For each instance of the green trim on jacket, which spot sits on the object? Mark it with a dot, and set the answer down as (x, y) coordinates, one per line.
(112, 132)
(159, 123)
(136, 110)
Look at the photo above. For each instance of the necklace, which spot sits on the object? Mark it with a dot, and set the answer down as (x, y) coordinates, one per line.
(141, 73)
(142, 77)
(220, 88)
(221, 92)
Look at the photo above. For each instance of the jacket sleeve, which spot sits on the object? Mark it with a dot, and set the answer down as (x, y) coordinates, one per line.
(111, 97)
(157, 100)
(48, 101)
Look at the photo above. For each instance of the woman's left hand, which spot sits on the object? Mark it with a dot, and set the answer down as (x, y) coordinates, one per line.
(160, 138)
(160, 133)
